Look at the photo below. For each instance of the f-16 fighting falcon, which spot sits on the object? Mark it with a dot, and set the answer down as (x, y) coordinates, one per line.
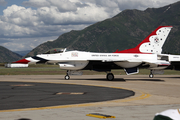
(147, 54)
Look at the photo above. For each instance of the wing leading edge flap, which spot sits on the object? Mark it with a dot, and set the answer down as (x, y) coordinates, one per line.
(130, 71)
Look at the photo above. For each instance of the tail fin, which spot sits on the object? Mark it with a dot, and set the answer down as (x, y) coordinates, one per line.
(151, 44)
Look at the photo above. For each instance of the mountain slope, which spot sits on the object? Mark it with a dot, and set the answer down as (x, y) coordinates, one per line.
(7, 55)
(22, 53)
(123, 31)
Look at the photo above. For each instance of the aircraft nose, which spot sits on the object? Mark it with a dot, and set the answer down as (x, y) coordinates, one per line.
(23, 61)
(32, 60)
(28, 60)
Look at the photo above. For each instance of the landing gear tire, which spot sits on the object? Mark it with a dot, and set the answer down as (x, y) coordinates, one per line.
(151, 76)
(67, 77)
(110, 77)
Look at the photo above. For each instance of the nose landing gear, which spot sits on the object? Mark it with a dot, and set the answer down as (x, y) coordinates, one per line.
(151, 74)
(67, 77)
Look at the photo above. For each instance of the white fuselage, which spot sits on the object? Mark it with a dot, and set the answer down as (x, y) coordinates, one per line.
(76, 60)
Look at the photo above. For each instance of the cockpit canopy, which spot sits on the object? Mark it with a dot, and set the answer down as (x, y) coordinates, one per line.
(55, 50)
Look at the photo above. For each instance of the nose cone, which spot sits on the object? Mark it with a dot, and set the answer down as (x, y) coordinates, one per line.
(23, 61)
(32, 60)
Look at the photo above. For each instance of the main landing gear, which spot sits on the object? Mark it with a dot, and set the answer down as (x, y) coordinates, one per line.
(110, 77)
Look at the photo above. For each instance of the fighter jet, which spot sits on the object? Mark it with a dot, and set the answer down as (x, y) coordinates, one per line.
(147, 54)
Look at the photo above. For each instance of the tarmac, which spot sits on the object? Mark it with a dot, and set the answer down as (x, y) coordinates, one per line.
(152, 95)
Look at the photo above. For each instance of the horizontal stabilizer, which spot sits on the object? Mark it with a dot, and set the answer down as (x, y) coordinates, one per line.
(130, 71)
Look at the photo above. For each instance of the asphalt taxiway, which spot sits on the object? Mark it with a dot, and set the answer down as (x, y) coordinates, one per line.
(19, 95)
(152, 95)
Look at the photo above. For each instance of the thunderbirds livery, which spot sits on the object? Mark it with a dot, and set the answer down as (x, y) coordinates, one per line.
(147, 54)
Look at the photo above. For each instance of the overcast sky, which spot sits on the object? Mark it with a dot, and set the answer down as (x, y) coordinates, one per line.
(24, 24)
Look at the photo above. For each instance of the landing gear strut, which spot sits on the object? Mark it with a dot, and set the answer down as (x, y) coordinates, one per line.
(110, 77)
(151, 75)
(67, 77)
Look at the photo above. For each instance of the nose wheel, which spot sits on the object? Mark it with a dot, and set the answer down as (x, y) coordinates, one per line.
(151, 74)
(67, 77)
(110, 77)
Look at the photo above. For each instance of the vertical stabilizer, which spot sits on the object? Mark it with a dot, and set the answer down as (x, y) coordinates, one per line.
(151, 44)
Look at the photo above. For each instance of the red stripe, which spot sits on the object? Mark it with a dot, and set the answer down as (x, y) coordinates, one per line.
(23, 61)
